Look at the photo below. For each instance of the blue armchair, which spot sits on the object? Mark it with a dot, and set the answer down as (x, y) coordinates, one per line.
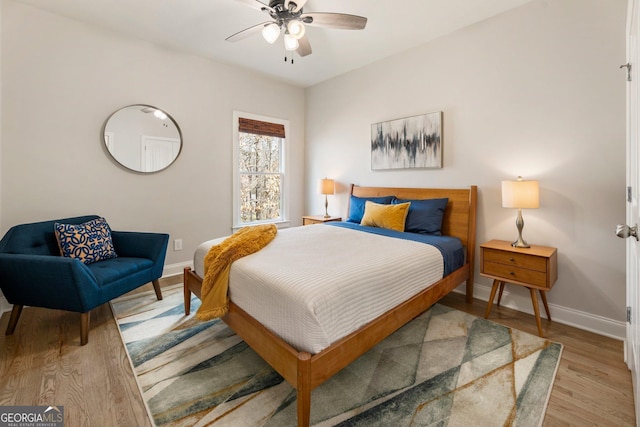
(33, 273)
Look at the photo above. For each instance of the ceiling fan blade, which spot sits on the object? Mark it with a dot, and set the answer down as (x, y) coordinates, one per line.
(256, 4)
(340, 21)
(247, 32)
(299, 4)
(304, 47)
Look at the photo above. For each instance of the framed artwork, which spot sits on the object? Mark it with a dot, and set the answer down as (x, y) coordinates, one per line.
(412, 142)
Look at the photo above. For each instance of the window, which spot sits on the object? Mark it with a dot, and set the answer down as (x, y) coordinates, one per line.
(259, 169)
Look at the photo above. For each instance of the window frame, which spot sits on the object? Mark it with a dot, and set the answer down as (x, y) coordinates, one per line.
(284, 161)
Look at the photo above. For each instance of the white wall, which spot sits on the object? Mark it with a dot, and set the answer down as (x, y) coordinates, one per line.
(535, 92)
(62, 79)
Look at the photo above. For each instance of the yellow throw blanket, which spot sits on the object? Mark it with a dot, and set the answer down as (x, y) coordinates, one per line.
(217, 265)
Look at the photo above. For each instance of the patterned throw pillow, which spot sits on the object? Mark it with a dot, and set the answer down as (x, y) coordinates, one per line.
(88, 242)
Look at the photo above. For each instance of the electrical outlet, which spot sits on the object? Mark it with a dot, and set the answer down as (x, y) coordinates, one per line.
(177, 245)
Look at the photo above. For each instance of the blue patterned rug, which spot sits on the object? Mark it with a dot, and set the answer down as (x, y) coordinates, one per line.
(444, 368)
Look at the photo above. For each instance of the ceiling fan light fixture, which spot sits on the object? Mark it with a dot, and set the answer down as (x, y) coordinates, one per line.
(296, 29)
(288, 18)
(290, 42)
(271, 32)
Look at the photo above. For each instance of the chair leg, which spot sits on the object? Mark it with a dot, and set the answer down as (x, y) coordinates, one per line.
(84, 328)
(156, 287)
(13, 320)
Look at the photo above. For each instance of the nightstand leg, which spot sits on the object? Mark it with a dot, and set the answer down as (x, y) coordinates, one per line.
(536, 310)
(543, 295)
(494, 288)
(500, 293)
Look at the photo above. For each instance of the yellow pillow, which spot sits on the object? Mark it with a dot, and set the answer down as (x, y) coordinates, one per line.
(391, 217)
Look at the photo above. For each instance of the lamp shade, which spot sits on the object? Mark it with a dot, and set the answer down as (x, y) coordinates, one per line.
(271, 33)
(520, 194)
(290, 42)
(326, 186)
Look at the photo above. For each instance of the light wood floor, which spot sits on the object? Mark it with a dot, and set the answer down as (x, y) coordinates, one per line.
(44, 364)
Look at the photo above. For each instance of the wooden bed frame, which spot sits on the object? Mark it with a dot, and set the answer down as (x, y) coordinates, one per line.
(306, 371)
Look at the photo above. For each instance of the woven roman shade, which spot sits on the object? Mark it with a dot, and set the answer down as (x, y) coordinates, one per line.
(261, 128)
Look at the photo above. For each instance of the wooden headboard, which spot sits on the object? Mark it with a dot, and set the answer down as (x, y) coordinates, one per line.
(459, 217)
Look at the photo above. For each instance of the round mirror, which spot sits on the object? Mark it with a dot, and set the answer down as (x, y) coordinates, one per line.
(142, 138)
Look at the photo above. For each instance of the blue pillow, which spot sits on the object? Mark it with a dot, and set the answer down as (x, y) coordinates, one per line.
(356, 206)
(425, 216)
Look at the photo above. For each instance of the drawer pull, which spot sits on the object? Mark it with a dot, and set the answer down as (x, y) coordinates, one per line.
(512, 273)
(512, 260)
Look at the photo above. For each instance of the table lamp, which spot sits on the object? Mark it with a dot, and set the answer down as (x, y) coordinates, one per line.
(521, 195)
(326, 186)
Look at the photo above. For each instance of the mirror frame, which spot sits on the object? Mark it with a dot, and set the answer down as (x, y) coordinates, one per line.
(118, 162)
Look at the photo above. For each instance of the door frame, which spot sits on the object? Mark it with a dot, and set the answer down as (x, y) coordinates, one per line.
(632, 343)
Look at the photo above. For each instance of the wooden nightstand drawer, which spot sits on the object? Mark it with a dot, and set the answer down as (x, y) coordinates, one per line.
(516, 274)
(515, 259)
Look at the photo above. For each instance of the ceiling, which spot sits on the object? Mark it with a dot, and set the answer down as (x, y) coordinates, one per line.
(201, 26)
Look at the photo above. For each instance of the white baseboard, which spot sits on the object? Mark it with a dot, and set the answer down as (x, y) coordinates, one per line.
(565, 315)
(175, 269)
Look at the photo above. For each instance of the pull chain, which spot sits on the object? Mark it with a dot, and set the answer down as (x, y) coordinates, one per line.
(285, 56)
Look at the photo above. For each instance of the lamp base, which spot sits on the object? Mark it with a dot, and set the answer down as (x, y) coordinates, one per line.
(520, 243)
(326, 207)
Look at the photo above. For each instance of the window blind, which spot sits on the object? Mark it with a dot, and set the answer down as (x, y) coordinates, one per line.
(261, 128)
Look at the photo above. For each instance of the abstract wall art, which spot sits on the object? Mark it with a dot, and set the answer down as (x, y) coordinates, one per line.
(408, 143)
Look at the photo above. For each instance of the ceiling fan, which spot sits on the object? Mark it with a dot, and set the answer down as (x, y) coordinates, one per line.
(287, 16)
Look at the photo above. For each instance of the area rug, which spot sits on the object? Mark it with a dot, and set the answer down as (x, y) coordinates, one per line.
(444, 368)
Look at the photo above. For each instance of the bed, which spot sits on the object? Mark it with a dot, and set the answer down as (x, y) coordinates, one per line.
(305, 370)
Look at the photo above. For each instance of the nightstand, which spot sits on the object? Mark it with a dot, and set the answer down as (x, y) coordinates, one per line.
(318, 219)
(535, 268)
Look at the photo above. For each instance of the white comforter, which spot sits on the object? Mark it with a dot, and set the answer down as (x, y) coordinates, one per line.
(313, 285)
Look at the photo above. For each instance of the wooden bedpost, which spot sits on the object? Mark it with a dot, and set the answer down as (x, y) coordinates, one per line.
(304, 389)
(186, 291)
(471, 240)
